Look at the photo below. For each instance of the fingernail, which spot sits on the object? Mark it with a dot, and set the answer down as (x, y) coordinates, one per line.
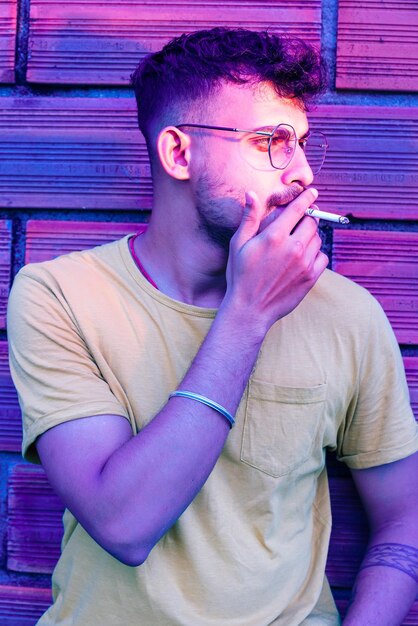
(248, 199)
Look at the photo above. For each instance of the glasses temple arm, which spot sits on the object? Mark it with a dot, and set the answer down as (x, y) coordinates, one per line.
(235, 130)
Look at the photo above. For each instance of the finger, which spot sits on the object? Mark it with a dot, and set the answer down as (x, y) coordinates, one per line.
(269, 219)
(250, 222)
(295, 211)
(273, 215)
(305, 229)
(320, 264)
(312, 249)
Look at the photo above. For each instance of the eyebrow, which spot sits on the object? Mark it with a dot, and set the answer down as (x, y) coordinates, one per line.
(269, 129)
(266, 128)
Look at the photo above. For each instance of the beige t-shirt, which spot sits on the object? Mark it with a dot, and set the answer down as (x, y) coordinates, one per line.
(89, 335)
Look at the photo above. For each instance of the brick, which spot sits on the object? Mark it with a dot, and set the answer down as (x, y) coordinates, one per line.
(72, 153)
(411, 369)
(5, 267)
(8, 13)
(46, 239)
(10, 416)
(377, 45)
(22, 606)
(34, 521)
(91, 42)
(386, 263)
(349, 533)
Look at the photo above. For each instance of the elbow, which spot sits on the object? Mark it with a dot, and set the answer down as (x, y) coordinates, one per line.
(129, 557)
(129, 552)
(127, 542)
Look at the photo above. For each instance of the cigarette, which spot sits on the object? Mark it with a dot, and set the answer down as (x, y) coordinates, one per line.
(324, 215)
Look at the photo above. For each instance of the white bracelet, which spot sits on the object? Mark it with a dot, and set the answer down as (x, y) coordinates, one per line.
(204, 400)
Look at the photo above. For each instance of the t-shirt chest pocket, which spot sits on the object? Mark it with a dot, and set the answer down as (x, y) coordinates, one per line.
(280, 426)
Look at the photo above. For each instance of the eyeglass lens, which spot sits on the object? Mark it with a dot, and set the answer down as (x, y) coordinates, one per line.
(315, 149)
(283, 145)
(277, 150)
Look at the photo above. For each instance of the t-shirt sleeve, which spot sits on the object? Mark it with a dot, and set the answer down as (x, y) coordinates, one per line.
(53, 371)
(380, 426)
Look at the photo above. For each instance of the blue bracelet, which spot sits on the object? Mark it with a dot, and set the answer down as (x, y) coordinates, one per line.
(204, 400)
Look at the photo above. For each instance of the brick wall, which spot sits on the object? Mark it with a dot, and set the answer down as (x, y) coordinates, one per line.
(74, 173)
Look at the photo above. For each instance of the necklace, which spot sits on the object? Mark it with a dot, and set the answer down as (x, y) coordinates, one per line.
(138, 262)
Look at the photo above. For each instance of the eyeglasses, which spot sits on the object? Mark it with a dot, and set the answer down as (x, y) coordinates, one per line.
(280, 145)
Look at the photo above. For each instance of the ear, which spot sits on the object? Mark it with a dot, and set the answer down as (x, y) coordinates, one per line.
(173, 147)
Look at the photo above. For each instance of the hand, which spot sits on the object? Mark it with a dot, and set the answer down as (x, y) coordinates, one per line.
(272, 268)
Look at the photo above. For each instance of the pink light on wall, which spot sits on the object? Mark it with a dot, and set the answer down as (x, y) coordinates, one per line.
(47, 239)
(5, 262)
(8, 12)
(377, 45)
(91, 42)
(386, 263)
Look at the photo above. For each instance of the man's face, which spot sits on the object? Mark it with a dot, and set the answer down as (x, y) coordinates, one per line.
(221, 173)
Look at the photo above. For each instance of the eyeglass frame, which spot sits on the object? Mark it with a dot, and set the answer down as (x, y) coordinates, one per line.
(266, 134)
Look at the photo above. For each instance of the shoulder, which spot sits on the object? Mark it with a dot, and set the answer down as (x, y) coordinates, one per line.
(335, 296)
(337, 312)
(68, 285)
(79, 268)
(339, 289)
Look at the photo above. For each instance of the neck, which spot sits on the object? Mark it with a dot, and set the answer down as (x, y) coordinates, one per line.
(185, 266)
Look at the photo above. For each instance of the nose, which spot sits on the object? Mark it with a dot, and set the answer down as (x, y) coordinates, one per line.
(298, 170)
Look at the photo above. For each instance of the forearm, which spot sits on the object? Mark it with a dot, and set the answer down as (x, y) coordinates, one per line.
(387, 583)
(155, 475)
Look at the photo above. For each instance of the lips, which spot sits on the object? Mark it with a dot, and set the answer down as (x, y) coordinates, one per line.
(283, 199)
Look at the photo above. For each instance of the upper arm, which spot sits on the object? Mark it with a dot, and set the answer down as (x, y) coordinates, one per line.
(73, 455)
(377, 424)
(389, 492)
(72, 418)
(54, 369)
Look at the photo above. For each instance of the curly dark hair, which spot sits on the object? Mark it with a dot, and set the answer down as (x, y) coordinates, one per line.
(191, 68)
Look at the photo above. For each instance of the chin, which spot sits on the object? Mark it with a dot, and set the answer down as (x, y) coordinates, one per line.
(218, 234)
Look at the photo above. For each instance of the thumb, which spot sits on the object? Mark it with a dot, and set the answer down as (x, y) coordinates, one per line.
(251, 218)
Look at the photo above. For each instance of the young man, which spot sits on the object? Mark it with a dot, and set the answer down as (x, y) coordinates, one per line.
(174, 517)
